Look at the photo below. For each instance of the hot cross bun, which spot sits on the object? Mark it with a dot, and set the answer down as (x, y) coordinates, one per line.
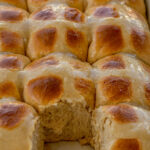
(57, 28)
(117, 28)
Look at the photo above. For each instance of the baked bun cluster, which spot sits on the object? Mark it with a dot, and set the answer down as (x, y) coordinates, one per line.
(121, 78)
(120, 120)
(74, 70)
(121, 127)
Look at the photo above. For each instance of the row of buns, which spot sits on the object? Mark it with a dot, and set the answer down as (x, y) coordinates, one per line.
(59, 96)
(103, 31)
(33, 5)
(118, 78)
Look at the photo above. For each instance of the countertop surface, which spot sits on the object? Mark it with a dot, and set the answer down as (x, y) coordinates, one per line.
(66, 146)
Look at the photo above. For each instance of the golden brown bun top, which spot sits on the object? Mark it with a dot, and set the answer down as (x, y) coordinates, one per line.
(116, 11)
(58, 12)
(17, 3)
(13, 114)
(122, 78)
(123, 114)
(13, 61)
(59, 59)
(58, 77)
(127, 144)
(12, 14)
(138, 5)
(34, 4)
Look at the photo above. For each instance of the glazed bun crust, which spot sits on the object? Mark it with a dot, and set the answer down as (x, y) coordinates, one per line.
(17, 3)
(34, 5)
(138, 5)
(13, 61)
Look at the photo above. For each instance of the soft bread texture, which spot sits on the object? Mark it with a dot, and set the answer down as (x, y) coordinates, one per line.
(17, 3)
(10, 67)
(122, 78)
(34, 4)
(57, 28)
(13, 31)
(19, 127)
(117, 28)
(60, 88)
(121, 127)
(67, 122)
(138, 5)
